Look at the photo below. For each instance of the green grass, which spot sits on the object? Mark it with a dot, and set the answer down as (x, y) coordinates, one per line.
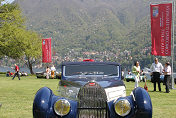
(17, 97)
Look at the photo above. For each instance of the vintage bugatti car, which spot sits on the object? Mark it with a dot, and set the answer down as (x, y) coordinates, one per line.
(91, 90)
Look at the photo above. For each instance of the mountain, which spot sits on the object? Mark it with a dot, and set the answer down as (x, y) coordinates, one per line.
(116, 30)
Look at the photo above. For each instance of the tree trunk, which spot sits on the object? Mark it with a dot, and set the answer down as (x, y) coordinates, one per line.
(30, 68)
(29, 65)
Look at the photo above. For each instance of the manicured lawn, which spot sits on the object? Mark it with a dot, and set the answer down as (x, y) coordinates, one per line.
(17, 97)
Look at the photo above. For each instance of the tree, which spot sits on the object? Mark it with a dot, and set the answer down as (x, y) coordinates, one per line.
(11, 31)
(15, 40)
(32, 49)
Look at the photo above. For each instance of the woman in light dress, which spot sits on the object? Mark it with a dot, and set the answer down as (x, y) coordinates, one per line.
(136, 70)
(47, 72)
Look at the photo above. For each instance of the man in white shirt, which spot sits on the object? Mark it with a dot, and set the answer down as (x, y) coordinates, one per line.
(156, 69)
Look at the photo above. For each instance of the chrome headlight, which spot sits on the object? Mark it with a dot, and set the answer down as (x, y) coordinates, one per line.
(122, 107)
(62, 107)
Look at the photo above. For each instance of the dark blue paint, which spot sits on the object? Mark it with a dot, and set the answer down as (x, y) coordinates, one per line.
(91, 63)
(103, 82)
(143, 103)
(45, 99)
(44, 102)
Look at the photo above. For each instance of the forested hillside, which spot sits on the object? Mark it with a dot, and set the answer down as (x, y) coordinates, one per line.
(115, 30)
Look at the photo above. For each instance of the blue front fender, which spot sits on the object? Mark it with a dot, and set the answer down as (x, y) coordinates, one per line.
(42, 102)
(43, 105)
(143, 103)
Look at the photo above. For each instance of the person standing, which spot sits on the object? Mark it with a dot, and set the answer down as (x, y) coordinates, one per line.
(47, 72)
(53, 69)
(156, 70)
(167, 75)
(136, 71)
(16, 72)
(122, 73)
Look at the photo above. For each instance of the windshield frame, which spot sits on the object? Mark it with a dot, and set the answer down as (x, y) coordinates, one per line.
(117, 74)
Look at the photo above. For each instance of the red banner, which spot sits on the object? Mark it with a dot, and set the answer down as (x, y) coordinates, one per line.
(161, 20)
(46, 50)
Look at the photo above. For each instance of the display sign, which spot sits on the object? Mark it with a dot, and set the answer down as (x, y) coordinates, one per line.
(161, 22)
(46, 50)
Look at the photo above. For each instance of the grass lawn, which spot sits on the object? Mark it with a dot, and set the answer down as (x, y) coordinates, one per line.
(17, 97)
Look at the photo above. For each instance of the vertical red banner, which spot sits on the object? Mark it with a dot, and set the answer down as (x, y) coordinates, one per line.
(161, 24)
(46, 50)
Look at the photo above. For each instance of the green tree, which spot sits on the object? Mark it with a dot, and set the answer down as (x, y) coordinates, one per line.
(32, 49)
(15, 40)
(11, 31)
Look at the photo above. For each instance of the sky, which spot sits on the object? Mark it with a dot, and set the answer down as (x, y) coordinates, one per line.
(9, 1)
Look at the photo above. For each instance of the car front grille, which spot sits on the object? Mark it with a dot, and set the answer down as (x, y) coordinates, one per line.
(92, 101)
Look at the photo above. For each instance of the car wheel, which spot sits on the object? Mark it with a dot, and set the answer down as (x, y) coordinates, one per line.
(127, 80)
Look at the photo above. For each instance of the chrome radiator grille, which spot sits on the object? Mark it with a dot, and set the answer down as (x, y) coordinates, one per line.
(92, 102)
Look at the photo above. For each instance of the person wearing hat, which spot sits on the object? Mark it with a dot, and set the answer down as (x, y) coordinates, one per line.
(167, 75)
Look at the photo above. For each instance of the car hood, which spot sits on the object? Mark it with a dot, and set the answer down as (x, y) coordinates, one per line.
(104, 82)
(114, 87)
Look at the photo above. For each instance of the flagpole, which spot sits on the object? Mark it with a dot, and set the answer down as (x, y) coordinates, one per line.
(173, 43)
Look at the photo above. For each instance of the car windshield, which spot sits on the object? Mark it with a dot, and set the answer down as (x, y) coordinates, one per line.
(107, 70)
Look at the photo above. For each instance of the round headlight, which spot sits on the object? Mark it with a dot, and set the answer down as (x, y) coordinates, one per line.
(62, 107)
(122, 107)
